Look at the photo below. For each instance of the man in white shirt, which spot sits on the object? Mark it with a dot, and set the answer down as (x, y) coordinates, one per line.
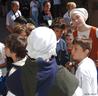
(12, 15)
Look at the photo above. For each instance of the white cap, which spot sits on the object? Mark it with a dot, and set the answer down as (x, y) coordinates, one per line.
(41, 43)
(81, 11)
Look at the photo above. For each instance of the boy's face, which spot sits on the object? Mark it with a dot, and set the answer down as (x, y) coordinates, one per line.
(78, 53)
(58, 32)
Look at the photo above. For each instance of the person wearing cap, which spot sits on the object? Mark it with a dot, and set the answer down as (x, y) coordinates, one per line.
(40, 75)
(79, 17)
(40, 68)
(12, 15)
(52, 80)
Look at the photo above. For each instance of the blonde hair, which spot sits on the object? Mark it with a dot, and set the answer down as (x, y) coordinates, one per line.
(19, 28)
(71, 5)
(30, 27)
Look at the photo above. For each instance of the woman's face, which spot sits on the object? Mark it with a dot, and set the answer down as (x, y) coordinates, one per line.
(47, 6)
(77, 20)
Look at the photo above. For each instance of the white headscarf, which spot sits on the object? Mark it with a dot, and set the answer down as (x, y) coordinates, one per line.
(41, 43)
(81, 11)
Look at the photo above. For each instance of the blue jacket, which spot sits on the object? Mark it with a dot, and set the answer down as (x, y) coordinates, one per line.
(62, 54)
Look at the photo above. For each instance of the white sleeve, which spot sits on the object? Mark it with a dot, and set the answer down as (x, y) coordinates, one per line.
(97, 32)
(7, 20)
(19, 12)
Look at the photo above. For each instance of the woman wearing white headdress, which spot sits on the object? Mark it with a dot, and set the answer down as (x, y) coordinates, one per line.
(79, 17)
(41, 47)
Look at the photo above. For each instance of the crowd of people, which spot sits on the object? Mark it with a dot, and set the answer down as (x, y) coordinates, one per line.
(48, 52)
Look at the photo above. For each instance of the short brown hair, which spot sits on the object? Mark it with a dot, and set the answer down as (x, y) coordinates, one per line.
(14, 43)
(85, 43)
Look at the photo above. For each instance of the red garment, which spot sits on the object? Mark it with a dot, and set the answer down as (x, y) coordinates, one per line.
(94, 51)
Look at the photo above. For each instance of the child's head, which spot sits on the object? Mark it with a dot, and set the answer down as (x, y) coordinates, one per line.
(71, 5)
(58, 29)
(15, 47)
(30, 27)
(21, 30)
(69, 38)
(81, 48)
(59, 26)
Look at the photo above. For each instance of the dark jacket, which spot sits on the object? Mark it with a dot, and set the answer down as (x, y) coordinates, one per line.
(64, 83)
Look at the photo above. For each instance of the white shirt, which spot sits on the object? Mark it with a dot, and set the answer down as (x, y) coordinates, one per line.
(18, 63)
(87, 33)
(3, 71)
(86, 73)
(11, 16)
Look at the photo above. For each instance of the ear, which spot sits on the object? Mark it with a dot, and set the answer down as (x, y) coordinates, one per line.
(13, 56)
(87, 51)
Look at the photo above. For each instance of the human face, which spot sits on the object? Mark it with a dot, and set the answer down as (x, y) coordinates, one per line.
(23, 35)
(78, 53)
(69, 39)
(72, 7)
(47, 6)
(15, 7)
(77, 20)
(58, 32)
